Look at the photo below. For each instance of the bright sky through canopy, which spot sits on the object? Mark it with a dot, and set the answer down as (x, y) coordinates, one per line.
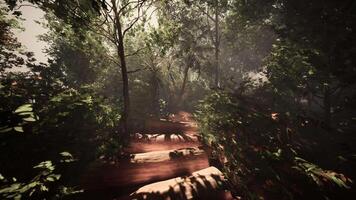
(29, 37)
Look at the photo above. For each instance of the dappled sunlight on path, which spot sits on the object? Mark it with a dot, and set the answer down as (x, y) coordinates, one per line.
(169, 150)
(203, 184)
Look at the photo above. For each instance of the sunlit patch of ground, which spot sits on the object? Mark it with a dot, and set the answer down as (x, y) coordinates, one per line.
(168, 149)
(160, 156)
(137, 147)
(131, 174)
(204, 184)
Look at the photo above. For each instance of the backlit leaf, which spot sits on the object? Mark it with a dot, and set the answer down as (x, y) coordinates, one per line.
(24, 108)
(18, 129)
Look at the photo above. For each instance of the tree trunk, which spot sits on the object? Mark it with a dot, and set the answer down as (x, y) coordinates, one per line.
(155, 95)
(327, 107)
(184, 84)
(125, 80)
(217, 46)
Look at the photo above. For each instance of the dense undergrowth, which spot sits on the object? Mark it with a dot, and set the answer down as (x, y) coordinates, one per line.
(53, 120)
(274, 155)
(45, 144)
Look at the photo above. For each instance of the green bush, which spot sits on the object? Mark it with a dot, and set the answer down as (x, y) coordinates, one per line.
(261, 150)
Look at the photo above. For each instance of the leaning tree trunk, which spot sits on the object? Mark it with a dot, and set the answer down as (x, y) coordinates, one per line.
(125, 80)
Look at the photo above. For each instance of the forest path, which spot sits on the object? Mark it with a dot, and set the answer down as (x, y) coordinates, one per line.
(166, 163)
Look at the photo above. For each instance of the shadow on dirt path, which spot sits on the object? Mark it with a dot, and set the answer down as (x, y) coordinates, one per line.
(170, 149)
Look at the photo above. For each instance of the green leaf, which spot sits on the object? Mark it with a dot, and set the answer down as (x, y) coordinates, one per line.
(339, 182)
(26, 113)
(29, 119)
(67, 157)
(341, 158)
(18, 197)
(19, 129)
(24, 108)
(43, 188)
(5, 129)
(11, 188)
(56, 176)
(45, 165)
(70, 190)
(88, 100)
(50, 179)
(28, 186)
(66, 154)
(53, 177)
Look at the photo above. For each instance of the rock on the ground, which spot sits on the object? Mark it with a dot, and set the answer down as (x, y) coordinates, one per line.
(204, 184)
(160, 156)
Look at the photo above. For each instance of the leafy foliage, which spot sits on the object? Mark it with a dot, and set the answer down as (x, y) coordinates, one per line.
(261, 149)
(39, 186)
(19, 118)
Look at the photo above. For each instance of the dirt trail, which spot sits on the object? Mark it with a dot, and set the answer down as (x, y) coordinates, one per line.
(157, 156)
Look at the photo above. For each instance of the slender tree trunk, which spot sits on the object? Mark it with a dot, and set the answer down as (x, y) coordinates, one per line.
(217, 46)
(184, 84)
(155, 95)
(125, 85)
(327, 107)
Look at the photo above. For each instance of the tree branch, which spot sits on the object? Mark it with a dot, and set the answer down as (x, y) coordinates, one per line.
(135, 52)
(134, 21)
(136, 70)
(201, 9)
